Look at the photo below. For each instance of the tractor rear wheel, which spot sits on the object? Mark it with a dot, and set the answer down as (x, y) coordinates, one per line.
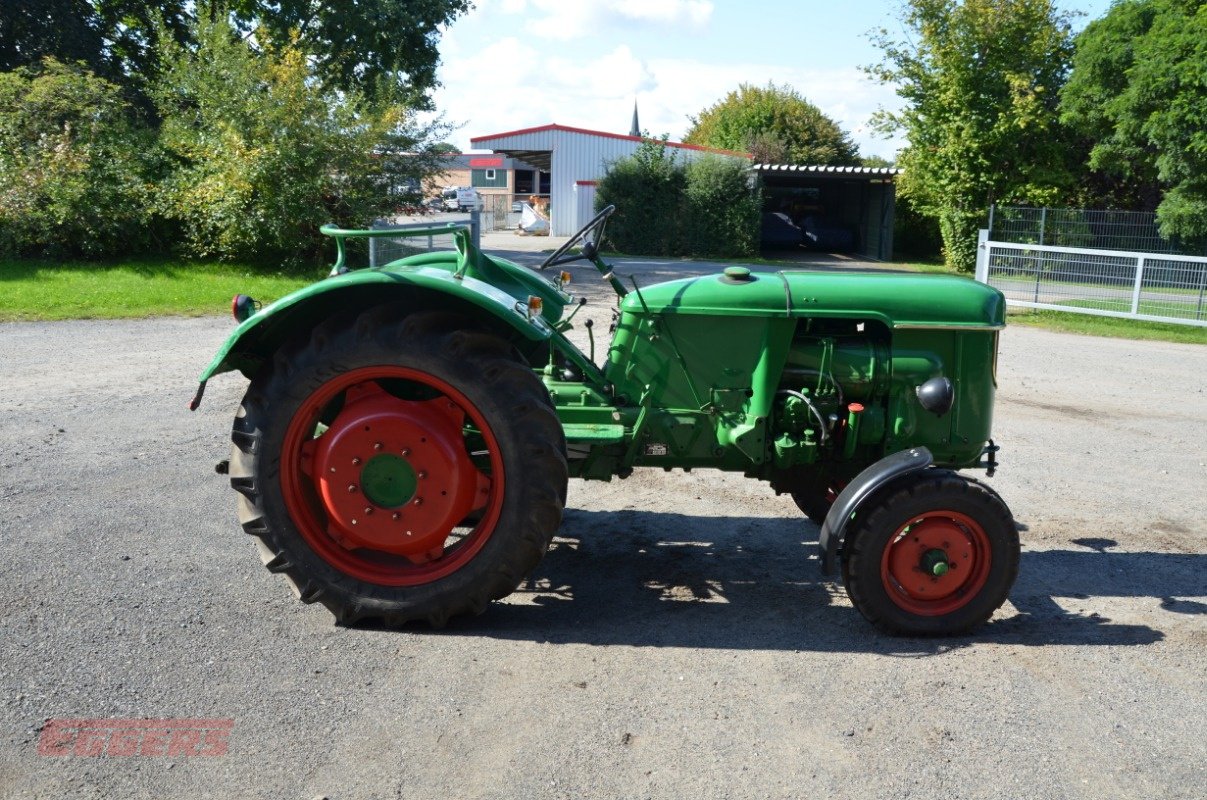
(814, 501)
(399, 469)
(933, 555)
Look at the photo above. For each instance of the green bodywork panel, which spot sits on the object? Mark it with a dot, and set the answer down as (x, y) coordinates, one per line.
(785, 376)
(714, 362)
(896, 299)
(467, 281)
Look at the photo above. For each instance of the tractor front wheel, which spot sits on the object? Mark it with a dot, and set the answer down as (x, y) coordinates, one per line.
(935, 554)
(399, 469)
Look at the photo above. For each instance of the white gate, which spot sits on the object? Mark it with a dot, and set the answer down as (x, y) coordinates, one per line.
(1112, 283)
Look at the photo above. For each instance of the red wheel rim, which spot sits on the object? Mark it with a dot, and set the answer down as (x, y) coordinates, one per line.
(910, 562)
(384, 492)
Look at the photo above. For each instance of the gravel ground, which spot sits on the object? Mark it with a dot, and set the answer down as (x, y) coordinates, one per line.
(676, 642)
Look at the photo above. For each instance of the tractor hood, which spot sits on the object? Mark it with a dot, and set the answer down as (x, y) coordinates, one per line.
(901, 300)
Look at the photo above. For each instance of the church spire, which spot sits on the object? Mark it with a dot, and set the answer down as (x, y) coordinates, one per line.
(635, 130)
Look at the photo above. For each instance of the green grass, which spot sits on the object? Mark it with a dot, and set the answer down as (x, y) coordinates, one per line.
(1114, 327)
(1090, 324)
(1153, 308)
(44, 290)
(935, 267)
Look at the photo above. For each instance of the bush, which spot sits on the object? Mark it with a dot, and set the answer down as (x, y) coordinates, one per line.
(647, 190)
(915, 235)
(959, 229)
(75, 166)
(265, 154)
(723, 212)
(663, 208)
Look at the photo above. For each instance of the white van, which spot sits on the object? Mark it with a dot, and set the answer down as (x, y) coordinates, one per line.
(461, 198)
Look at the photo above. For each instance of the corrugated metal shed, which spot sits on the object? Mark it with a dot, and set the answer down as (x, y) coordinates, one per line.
(818, 169)
(572, 155)
(479, 161)
(859, 200)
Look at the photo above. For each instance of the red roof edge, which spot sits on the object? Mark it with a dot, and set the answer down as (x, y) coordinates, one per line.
(606, 135)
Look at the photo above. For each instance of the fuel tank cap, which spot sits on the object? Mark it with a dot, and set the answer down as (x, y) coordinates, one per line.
(737, 275)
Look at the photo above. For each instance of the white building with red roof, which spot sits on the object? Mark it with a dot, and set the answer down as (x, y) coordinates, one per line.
(576, 159)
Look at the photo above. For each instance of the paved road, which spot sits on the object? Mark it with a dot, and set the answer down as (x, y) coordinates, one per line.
(676, 642)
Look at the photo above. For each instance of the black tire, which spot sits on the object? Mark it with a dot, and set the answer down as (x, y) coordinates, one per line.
(812, 497)
(813, 501)
(483, 369)
(939, 498)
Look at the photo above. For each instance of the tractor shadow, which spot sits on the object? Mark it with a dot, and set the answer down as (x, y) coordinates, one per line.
(653, 579)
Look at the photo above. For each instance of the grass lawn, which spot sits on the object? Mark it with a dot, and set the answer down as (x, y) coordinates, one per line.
(1114, 327)
(936, 267)
(44, 290)
(1170, 306)
(1089, 324)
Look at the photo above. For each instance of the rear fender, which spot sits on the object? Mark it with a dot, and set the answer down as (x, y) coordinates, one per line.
(425, 288)
(859, 490)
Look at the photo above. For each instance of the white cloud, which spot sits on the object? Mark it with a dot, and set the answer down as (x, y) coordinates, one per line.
(558, 19)
(512, 84)
(618, 74)
(845, 94)
(505, 6)
(695, 13)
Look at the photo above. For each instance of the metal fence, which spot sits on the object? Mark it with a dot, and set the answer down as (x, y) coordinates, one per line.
(385, 249)
(502, 212)
(1151, 286)
(1085, 228)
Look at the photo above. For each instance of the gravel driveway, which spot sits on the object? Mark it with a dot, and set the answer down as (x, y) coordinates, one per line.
(676, 642)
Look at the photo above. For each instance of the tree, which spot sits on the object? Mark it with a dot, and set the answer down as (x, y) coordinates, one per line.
(116, 39)
(980, 80)
(75, 167)
(875, 161)
(1138, 94)
(64, 29)
(384, 49)
(774, 124)
(265, 154)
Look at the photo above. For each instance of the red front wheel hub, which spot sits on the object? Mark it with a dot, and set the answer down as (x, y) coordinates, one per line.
(936, 563)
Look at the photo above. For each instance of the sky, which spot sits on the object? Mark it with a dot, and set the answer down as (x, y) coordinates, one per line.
(511, 64)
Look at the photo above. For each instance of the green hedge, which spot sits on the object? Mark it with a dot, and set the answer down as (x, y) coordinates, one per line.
(706, 208)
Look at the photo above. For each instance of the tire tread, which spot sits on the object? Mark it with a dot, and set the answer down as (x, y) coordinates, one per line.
(860, 562)
(524, 407)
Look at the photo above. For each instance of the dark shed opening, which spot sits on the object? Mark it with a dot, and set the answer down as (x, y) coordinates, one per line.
(836, 209)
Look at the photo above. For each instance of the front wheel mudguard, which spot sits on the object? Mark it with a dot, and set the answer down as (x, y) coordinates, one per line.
(863, 486)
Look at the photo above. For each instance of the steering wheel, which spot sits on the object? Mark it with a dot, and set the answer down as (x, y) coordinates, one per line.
(590, 244)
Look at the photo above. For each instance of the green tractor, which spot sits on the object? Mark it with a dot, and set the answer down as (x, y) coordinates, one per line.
(403, 449)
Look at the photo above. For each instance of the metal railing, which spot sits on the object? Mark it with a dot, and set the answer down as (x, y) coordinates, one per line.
(1085, 228)
(383, 250)
(501, 212)
(1113, 283)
